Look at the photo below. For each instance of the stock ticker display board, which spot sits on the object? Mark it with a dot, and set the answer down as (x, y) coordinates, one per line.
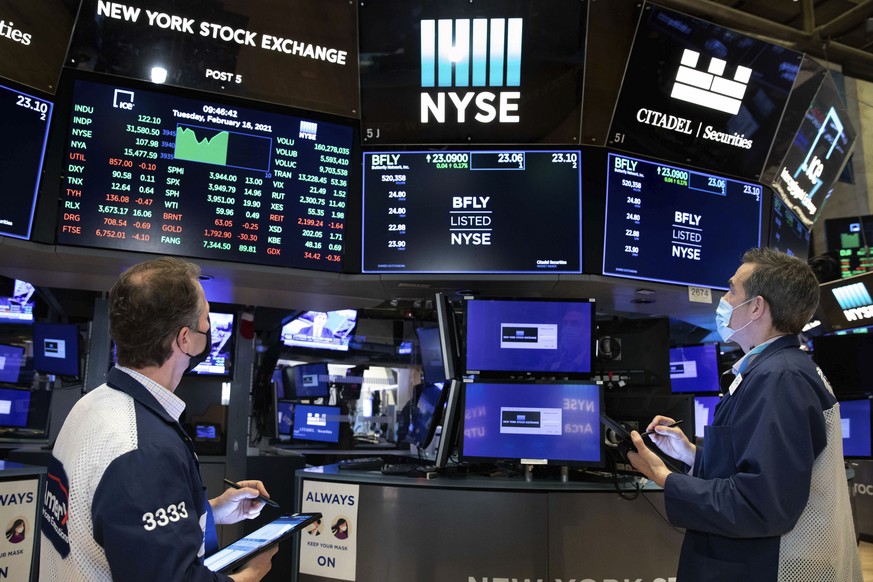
(146, 171)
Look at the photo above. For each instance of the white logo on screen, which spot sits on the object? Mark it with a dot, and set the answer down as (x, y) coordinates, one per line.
(54, 348)
(316, 419)
(529, 336)
(709, 88)
(516, 421)
(308, 130)
(123, 99)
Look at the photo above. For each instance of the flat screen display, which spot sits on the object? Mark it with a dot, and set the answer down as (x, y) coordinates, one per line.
(847, 303)
(331, 330)
(292, 52)
(673, 225)
(542, 423)
(787, 232)
(694, 92)
(850, 238)
(529, 336)
(151, 172)
(219, 362)
(855, 420)
(306, 381)
(431, 354)
(454, 71)
(818, 154)
(11, 362)
(316, 423)
(464, 211)
(704, 413)
(35, 36)
(426, 414)
(14, 407)
(694, 368)
(56, 348)
(846, 361)
(24, 126)
(18, 307)
(284, 419)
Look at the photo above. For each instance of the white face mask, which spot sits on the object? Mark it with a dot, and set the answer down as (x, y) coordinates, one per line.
(723, 319)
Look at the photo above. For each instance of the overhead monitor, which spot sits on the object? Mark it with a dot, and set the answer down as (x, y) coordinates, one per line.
(56, 348)
(35, 36)
(554, 423)
(857, 436)
(316, 423)
(463, 211)
(847, 303)
(529, 337)
(851, 239)
(695, 369)
(454, 71)
(787, 232)
(817, 156)
(697, 93)
(293, 52)
(17, 303)
(331, 330)
(160, 173)
(674, 225)
(220, 360)
(26, 120)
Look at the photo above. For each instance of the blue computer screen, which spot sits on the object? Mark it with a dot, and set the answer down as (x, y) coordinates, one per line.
(694, 369)
(559, 423)
(56, 348)
(529, 336)
(284, 418)
(855, 418)
(11, 359)
(14, 407)
(316, 423)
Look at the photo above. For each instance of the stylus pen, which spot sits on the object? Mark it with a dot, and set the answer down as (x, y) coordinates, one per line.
(266, 500)
(677, 423)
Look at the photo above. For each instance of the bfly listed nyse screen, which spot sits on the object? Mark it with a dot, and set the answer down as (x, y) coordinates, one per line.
(673, 225)
(146, 171)
(472, 212)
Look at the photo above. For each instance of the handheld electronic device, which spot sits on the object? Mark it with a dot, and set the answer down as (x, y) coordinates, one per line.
(244, 549)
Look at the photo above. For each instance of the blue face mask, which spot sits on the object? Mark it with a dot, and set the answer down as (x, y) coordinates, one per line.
(723, 319)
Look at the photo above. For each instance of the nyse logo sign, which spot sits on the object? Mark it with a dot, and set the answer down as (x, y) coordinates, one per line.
(855, 301)
(473, 53)
(710, 88)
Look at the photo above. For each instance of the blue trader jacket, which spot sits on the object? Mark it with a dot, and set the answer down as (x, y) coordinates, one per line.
(768, 498)
(124, 500)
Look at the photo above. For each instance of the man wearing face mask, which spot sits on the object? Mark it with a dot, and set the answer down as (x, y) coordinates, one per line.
(124, 498)
(766, 496)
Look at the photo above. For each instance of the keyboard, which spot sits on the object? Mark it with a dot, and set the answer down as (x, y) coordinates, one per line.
(361, 464)
(407, 469)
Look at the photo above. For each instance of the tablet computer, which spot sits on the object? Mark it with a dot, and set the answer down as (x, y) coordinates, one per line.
(241, 551)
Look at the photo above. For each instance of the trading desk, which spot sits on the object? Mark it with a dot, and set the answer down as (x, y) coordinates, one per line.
(478, 528)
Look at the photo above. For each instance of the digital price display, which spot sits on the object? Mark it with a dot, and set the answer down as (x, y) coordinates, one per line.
(25, 130)
(472, 212)
(150, 172)
(673, 225)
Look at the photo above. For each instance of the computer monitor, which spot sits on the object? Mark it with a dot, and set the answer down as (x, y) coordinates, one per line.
(24, 413)
(316, 423)
(855, 419)
(451, 424)
(637, 410)
(284, 419)
(846, 361)
(431, 354)
(56, 348)
(635, 352)
(694, 369)
(532, 423)
(306, 381)
(16, 301)
(11, 362)
(219, 362)
(426, 414)
(529, 336)
(331, 330)
(704, 413)
(450, 344)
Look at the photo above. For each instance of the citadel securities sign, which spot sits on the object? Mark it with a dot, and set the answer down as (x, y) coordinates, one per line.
(696, 93)
(457, 71)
